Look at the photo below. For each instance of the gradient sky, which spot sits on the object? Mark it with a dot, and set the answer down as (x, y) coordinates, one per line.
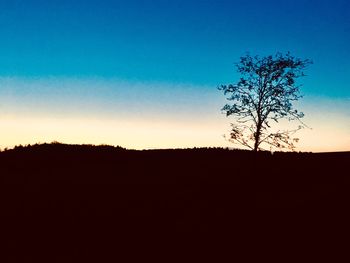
(143, 74)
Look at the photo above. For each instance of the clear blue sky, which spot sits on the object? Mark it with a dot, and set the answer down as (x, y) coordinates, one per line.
(174, 42)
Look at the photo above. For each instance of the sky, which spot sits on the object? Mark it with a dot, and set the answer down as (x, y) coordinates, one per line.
(144, 74)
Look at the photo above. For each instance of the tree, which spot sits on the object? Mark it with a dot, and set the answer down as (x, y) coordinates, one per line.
(265, 92)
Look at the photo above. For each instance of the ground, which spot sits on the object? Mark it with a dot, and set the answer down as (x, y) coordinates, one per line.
(66, 201)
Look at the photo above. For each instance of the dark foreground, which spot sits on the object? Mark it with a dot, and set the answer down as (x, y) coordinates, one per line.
(62, 203)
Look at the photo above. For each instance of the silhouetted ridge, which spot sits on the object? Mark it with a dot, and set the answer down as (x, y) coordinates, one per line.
(56, 146)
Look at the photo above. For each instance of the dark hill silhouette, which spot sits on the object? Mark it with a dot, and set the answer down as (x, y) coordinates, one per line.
(67, 201)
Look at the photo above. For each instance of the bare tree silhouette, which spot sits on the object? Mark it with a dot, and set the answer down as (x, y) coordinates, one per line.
(265, 92)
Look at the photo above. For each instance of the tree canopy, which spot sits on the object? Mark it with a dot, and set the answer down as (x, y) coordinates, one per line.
(265, 93)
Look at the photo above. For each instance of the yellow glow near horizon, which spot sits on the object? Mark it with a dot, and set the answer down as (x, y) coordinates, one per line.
(148, 133)
(95, 111)
(134, 135)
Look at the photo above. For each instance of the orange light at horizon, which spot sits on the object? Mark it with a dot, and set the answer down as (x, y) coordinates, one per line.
(148, 133)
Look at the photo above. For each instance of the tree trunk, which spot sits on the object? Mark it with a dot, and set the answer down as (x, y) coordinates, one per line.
(257, 137)
(256, 144)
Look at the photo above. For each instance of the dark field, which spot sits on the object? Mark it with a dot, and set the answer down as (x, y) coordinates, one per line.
(68, 203)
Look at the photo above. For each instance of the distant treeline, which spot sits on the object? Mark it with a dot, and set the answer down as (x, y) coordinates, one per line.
(60, 146)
